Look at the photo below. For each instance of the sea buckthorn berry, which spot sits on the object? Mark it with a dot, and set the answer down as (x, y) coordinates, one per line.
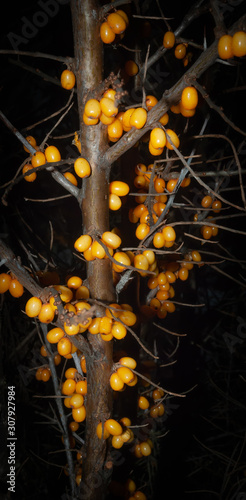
(122, 258)
(142, 231)
(145, 450)
(239, 44)
(187, 113)
(183, 274)
(105, 325)
(83, 364)
(97, 250)
(169, 306)
(115, 129)
(83, 243)
(138, 118)
(68, 386)
(88, 254)
(155, 304)
(71, 372)
(116, 23)
(168, 40)
(73, 426)
(82, 293)
(102, 434)
(67, 79)
(54, 335)
(114, 202)
(113, 427)
(157, 394)
(139, 495)
(164, 119)
(106, 33)
(43, 351)
(216, 206)
(82, 167)
(81, 387)
(125, 374)
(76, 400)
(33, 307)
(111, 239)
(138, 454)
(71, 329)
(186, 182)
(169, 233)
(106, 120)
(159, 185)
(162, 295)
(171, 184)
(108, 106)
(155, 151)
(123, 14)
(129, 318)
(189, 98)
(74, 282)
(196, 256)
(129, 362)
(92, 108)
(118, 187)
(115, 382)
(143, 403)
(5, 280)
(118, 330)
(161, 313)
(15, 288)
(117, 442)
(158, 240)
(207, 232)
(175, 108)
(66, 294)
(32, 141)
(150, 101)
(106, 336)
(127, 436)
(125, 421)
(94, 326)
(31, 177)
(150, 256)
(141, 262)
(131, 68)
(52, 154)
(139, 181)
(171, 278)
(225, 47)
(161, 409)
(45, 375)
(180, 51)
(38, 374)
(172, 136)
(157, 138)
(57, 359)
(126, 119)
(79, 414)
(46, 313)
(206, 201)
(64, 346)
(71, 178)
(89, 121)
(38, 159)
(152, 283)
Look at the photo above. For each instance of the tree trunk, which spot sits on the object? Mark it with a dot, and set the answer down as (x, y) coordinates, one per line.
(95, 214)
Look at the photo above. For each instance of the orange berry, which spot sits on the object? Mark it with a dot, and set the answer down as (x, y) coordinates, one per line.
(206, 201)
(113, 427)
(82, 293)
(97, 250)
(129, 318)
(225, 47)
(142, 231)
(102, 434)
(216, 206)
(131, 68)
(157, 394)
(172, 136)
(45, 375)
(189, 98)
(33, 307)
(73, 426)
(83, 243)
(158, 240)
(129, 362)
(145, 450)
(169, 233)
(52, 154)
(31, 177)
(32, 141)
(186, 112)
(207, 232)
(64, 346)
(15, 288)
(150, 101)
(92, 108)
(71, 178)
(54, 335)
(38, 159)
(169, 306)
(106, 33)
(180, 51)
(79, 414)
(239, 44)
(169, 40)
(67, 79)
(89, 121)
(115, 129)
(68, 387)
(138, 118)
(114, 202)
(5, 280)
(76, 400)
(157, 138)
(125, 374)
(143, 403)
(122, 258)
(171, 184)
(116, 382)
(119, 188)
(183, 274)
(108, 106)
(82, 167)
(118, 330)
(81, 387)
(116, 23)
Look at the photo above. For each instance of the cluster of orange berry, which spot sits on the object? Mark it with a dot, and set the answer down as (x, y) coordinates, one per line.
(75, 390)
(118, 431)
(8, 282)
(132, 489)
(180, 51)
(208, 203)
(115, 24)
(123, 374)
(188, 102)
(51, 154)
(231, 46)
(43, 372)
